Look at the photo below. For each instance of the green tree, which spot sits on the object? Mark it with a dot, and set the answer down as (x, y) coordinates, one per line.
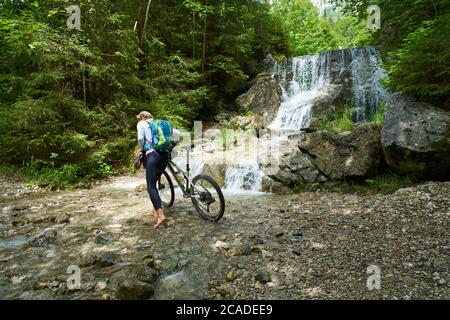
(307, 32)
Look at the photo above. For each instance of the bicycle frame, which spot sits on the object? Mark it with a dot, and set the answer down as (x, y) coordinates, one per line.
(185, 185)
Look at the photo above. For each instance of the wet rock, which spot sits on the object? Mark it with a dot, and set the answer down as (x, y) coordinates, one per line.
(7, 209)
(134, 290)
(44, 238)
(245, 249)
(266, 254)
(233, 252)
(221, 245)
(22, 221)
(137, 272)
(259, 241)
(103, 260)
(20, 207)
(63, 218)
(141, 188)
(107, 259)
(231, 276)
(45, 285)
(298, 233)
(223, 290)
(416, 138)
(262, 277)
(100, 286)
(149, 262)
(103, 238)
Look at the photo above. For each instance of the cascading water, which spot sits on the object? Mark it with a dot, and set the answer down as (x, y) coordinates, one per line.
(305, 80)
(244, 178)
(301, 81)
(367, 71)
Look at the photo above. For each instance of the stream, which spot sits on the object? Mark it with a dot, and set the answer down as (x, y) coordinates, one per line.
(314, 245)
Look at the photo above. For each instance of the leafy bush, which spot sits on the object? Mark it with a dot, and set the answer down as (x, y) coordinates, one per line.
(421, 67)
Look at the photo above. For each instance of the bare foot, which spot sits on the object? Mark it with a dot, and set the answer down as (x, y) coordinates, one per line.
(161, 218)
(160, 222)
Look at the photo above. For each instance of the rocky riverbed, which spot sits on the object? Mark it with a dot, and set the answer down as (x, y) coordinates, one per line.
(313, 245)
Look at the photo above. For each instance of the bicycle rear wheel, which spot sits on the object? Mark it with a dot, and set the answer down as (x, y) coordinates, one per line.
(166, 190)
(207, 198)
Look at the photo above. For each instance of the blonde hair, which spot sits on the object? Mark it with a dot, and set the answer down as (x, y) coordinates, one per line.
(144, 115)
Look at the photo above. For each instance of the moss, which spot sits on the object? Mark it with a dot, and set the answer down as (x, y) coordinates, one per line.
(444, 143)
(302, 186)
(383, 184)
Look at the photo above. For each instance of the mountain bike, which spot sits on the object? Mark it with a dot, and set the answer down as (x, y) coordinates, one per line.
(204, 192)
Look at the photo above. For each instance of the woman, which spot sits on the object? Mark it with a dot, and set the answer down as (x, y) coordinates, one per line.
(156, 163)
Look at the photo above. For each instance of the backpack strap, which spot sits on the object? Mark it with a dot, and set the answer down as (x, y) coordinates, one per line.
(152, 131)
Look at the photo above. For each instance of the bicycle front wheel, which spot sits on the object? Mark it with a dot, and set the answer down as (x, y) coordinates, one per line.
(166, 190)
(207, 198)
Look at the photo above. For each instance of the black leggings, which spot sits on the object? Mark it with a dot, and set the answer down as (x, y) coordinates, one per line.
(155, 166)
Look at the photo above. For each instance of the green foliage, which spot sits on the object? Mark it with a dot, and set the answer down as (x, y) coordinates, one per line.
(421, 67)
(68, 99)
(307, 33)
(338, 122)
(414, 36)
(302, 186)
(350, 32)
(385, 184)
(378, 117)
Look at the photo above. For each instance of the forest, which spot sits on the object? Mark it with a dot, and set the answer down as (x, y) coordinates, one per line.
(68, 98)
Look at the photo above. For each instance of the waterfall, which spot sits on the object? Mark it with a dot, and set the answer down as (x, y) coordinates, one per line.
(367, 71)
(243, 178)
(301, 80)
(307, 81)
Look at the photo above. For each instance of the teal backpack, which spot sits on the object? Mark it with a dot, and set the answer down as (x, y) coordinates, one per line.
(161, 135)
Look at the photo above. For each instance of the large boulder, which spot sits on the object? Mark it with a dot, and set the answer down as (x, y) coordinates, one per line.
(263, 99)
(291, 164)
(134, 290)
(416, 138)
(355, 153)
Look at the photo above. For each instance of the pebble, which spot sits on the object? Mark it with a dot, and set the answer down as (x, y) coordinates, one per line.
(231, 276)
(100, 286)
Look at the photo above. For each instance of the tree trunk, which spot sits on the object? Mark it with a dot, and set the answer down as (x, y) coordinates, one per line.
(204, 40)
(146, 21)
(193, 35)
